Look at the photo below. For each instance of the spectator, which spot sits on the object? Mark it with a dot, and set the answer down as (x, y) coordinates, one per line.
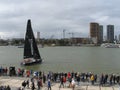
(49, 84)
(73, 84)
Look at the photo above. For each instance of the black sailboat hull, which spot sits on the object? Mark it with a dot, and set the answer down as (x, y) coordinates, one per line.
(31, 63)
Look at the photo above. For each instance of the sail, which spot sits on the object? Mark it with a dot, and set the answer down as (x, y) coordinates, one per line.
(30, 47)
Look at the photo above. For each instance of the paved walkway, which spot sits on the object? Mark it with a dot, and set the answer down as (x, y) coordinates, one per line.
(15, 82)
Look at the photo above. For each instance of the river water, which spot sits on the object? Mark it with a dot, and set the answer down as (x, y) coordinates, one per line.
(64, 59)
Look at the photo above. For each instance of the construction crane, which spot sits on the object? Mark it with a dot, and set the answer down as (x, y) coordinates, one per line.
(72, 34)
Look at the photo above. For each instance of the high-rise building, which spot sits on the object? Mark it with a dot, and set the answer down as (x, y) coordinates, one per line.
(101, 33)
(110, 33)
(94, 32)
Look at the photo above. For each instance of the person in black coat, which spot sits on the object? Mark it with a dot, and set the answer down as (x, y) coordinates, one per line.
(24, 84)
(33, 86)
(78, 79)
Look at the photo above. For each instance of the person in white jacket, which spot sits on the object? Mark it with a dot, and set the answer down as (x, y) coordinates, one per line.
(73, 84)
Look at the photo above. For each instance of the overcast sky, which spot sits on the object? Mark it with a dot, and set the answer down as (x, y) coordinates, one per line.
(50, 17)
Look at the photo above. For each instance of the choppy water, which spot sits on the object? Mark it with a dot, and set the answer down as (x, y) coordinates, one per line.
(82, 59)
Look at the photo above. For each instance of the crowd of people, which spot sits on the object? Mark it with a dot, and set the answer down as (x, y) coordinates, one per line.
(71, 78)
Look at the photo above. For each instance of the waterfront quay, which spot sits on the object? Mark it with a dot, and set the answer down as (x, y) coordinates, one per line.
(16, 82)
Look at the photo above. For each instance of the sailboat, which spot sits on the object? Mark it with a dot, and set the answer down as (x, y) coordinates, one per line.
(31, 52)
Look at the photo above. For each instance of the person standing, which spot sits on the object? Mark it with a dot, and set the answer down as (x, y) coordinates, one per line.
(61, 82)
(101, 79)
(44, 78)
(111, 79)
(78, 79)
(24, 84)
(38, 84)
(73, 84)
(69, 79)
(92, 79)
(49, 84)
(33, 86)
(27, 83)
(8, 88)
(64, 80)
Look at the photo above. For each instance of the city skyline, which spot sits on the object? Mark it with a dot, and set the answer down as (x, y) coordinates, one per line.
(52, 17)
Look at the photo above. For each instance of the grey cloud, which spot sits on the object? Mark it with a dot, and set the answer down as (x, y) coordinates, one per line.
(50, 17)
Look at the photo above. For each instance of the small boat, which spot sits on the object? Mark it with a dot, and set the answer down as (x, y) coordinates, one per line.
(31, 52)
(110, 45)
(22, 46)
